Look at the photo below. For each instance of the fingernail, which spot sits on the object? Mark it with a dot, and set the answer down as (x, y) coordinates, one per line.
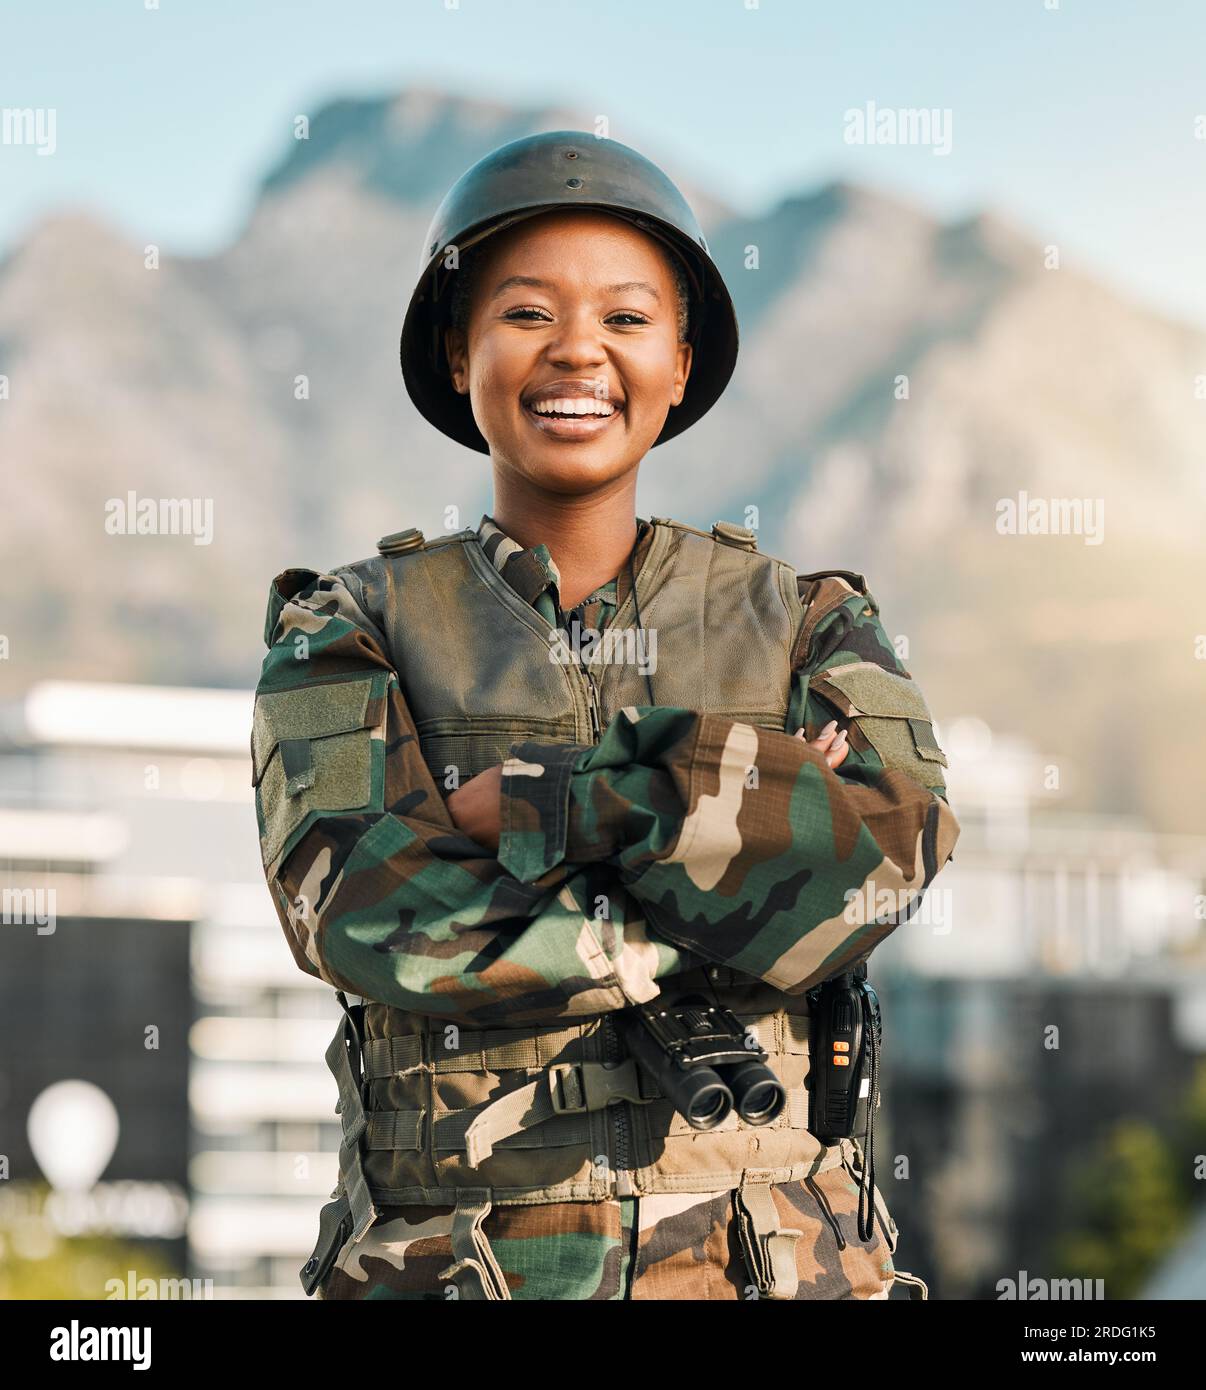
(837, 742)
(828, 729)
(799, 733)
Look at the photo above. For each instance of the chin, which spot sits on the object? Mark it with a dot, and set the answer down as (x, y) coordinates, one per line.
(572, 476)
(566, 468)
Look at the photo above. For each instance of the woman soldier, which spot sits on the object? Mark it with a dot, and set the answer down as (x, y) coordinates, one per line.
(503, 842)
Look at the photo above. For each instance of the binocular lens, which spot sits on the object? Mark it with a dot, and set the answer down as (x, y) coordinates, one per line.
(709, 1106)
(761, 1103)
(757, 1092)
(704, 1095)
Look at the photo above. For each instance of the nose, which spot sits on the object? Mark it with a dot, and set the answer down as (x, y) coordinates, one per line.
(578, 343)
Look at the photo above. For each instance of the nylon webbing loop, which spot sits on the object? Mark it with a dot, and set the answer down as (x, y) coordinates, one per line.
(343, 1058)
(770, 1249)
(394, 1129)
(471, 1250)
(916, 1285)
(388, 1057)
(501, 1049)
(567, 1088)
(557, 1132)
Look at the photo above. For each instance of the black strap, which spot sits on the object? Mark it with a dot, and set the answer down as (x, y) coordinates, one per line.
(640, 625)
(334, 1227)
(866, 1225)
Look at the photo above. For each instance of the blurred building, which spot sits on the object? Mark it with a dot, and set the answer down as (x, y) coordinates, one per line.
(127, 812)
(1053, 982)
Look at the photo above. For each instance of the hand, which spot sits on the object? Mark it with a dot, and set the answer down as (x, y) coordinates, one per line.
(829, 742)
(476, 807)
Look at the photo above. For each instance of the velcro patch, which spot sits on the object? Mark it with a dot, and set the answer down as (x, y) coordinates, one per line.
(891, 713)
(863, 687)
(315, 751)
(925, 742)
(311, 711)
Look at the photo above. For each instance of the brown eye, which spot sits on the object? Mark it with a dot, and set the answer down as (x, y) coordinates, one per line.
(632, 318)
(527, 312)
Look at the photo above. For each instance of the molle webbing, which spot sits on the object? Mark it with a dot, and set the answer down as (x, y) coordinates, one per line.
(544, 1092)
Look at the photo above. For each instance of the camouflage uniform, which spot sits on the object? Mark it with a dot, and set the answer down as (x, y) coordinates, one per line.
(380, 896)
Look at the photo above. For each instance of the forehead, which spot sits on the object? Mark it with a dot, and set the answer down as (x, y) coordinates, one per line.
(574, 234)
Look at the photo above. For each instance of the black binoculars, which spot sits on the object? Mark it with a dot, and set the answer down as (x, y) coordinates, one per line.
(704, 1062)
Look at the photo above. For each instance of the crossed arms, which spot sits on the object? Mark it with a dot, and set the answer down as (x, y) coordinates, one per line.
(682, 838)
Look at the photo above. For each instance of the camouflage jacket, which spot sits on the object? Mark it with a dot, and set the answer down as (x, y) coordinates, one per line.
(620, 864)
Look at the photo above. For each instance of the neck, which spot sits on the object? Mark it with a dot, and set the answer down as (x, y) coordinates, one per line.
(589, 538)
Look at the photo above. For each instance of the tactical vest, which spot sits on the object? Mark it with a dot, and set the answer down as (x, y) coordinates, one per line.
(440, 1114)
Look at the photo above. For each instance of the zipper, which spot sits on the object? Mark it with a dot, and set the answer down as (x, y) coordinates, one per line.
(596, 722)
(564, 621)
(613, 1052)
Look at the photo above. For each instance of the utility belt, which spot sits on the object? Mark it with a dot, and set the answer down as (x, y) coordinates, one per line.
(577, 1119)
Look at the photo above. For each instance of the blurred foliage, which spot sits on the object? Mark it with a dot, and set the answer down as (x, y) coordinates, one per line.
(1134, 1200)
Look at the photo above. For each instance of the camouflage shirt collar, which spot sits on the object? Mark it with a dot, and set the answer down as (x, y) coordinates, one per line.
(533, 572)
(529, 572)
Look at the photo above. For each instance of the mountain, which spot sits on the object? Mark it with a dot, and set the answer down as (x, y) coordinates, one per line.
(899, 378)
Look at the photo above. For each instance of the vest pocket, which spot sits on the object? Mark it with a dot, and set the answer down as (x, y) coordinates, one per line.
(318, 748)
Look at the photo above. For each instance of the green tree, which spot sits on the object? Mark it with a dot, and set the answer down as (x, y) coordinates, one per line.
(1133, 1201)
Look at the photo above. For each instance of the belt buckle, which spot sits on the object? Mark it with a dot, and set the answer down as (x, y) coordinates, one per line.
(576, 1087)
(567, 1088)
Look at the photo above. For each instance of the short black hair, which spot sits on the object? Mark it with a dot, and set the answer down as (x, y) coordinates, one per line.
(465, 276)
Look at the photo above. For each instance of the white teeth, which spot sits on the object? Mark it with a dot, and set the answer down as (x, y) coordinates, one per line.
(575, 405)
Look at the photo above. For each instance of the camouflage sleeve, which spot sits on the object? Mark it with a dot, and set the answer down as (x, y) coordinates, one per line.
(892, 726)
(377, 891)
(741, 843)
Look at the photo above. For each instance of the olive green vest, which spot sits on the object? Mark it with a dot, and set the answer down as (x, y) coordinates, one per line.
(474, 658)
(436, 1113)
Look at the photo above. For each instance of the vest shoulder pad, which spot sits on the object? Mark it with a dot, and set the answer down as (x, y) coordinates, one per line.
(726, 532)
(370, 580)
(723, 532)
(412, 539)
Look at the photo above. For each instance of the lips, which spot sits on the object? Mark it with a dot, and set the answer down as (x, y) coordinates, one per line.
(572, 407)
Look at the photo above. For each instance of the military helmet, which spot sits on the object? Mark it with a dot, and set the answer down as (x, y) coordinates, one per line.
(561, 169)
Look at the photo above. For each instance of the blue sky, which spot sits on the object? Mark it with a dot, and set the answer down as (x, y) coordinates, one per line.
(1077, 121)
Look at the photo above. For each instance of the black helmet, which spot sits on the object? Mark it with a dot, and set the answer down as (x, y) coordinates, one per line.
(562, 169)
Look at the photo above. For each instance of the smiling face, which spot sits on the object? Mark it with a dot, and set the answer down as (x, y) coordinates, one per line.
(571, 353)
